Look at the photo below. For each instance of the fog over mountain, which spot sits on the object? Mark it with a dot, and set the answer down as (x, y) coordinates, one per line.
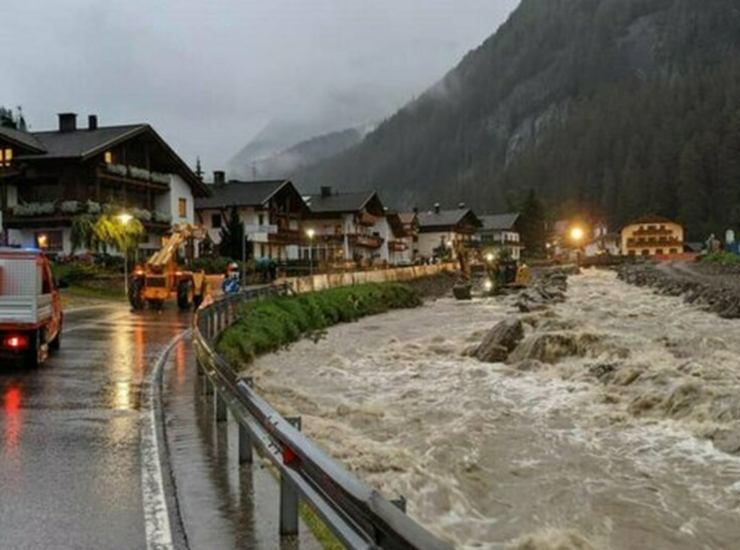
(209, 76)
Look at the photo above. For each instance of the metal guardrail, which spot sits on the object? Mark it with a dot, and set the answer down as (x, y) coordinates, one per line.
(359, 516)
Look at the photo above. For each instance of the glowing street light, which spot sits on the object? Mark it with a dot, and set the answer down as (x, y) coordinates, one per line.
(310, 233)
(577, 234)
(124, 218)
(490, 257)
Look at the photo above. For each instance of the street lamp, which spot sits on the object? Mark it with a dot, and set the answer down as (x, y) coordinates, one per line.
(576, 235)
(125, 218)
(310, 233)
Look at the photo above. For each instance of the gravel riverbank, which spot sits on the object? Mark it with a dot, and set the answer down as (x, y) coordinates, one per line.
(714, 288)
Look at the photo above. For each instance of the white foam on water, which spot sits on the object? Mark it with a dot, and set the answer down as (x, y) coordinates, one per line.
(607, 448)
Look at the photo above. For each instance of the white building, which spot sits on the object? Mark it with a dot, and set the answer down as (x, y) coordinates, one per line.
(444, 229)
(271, 212)
(347, 228)
(500, 233)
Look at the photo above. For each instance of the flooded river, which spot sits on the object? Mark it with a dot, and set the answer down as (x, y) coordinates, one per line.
(613, 427)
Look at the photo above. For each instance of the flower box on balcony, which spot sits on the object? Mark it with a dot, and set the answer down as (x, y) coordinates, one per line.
(117, 169)
(157, 177)
(139, 173)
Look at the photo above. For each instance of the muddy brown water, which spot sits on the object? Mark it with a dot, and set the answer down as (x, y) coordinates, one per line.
(611, 429)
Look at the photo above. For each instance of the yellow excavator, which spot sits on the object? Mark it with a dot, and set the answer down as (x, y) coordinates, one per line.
(161, 276)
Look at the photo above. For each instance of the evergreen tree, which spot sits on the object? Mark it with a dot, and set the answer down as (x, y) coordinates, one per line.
(232, 237)
(532, 224)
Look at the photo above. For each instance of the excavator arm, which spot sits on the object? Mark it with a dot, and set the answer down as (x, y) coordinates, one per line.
(169, 249)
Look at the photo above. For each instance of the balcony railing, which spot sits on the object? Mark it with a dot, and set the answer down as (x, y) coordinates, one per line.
(134, 175)
(365, 241)
(653, 242)
(398, 246)
(264, 228)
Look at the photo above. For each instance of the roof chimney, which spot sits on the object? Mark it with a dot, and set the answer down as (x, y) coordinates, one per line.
(92, 122)
(219, 177)
(436, 208)
(416, 210)
(325, 191)
(67, 122)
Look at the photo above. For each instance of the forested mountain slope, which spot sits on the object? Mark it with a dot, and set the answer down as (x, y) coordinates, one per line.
(620, 107)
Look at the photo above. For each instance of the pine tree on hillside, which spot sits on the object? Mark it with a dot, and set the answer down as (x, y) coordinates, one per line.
(532, 224)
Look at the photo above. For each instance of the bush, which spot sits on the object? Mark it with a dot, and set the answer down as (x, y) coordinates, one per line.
(267, 325)
(722, 258)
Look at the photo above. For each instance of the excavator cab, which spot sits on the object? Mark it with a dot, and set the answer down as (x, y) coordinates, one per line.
(156, 281)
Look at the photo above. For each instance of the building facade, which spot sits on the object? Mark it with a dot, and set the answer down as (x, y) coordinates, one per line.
(403, 249)
(270, 211)
(652, 236)
(48, 178)
(499, 234)
(444, 229)
(347, 228)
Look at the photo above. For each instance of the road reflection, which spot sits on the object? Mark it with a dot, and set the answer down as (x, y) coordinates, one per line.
(12, 420)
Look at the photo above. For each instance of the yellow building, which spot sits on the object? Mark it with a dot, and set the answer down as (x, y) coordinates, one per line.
(652, 236)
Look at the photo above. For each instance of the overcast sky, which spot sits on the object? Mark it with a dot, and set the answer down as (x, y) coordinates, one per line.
(209, 74)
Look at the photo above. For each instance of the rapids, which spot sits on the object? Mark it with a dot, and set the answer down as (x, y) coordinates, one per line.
(613, 425)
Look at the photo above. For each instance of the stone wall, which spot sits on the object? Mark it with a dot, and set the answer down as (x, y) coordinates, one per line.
(333, 280)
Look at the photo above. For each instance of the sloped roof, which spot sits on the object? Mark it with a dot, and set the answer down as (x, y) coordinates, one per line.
(446, 218)
(650, 218)
(407, 217)
(241, 193)
(339, 202)
(499, 222)
(82, 142)
(24, 139)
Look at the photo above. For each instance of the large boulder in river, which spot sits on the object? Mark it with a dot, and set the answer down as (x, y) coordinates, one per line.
(500, 341)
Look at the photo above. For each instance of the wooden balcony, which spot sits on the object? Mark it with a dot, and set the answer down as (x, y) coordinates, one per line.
(365, 241)
(105, 175)
(286, 237)
(652, 242)
(398, 246)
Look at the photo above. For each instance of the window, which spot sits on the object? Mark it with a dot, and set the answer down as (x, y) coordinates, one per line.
(674, 251)
(646, 252)
(659, 252)
(6, 157)
(261, 220)
(182, 208)
(215, 221)
(108, 157)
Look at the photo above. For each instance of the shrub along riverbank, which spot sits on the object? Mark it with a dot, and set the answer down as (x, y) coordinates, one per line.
(267, 325)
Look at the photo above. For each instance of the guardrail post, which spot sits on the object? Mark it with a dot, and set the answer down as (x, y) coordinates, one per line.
(400, 503)
(221, 415)
(245, 445)
(288, 508)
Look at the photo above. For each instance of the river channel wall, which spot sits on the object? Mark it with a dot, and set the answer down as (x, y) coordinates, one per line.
(326, 281)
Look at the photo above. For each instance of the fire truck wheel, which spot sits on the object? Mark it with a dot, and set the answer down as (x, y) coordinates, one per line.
(185, 295)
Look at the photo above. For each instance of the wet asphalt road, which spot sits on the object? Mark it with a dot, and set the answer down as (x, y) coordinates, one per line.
(220, 504)
(70, 467)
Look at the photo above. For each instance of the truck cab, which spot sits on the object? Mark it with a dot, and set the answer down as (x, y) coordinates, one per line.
(30, 307)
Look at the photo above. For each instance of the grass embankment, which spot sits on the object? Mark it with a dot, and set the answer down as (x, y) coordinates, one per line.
(267, 325)
(722, 258)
